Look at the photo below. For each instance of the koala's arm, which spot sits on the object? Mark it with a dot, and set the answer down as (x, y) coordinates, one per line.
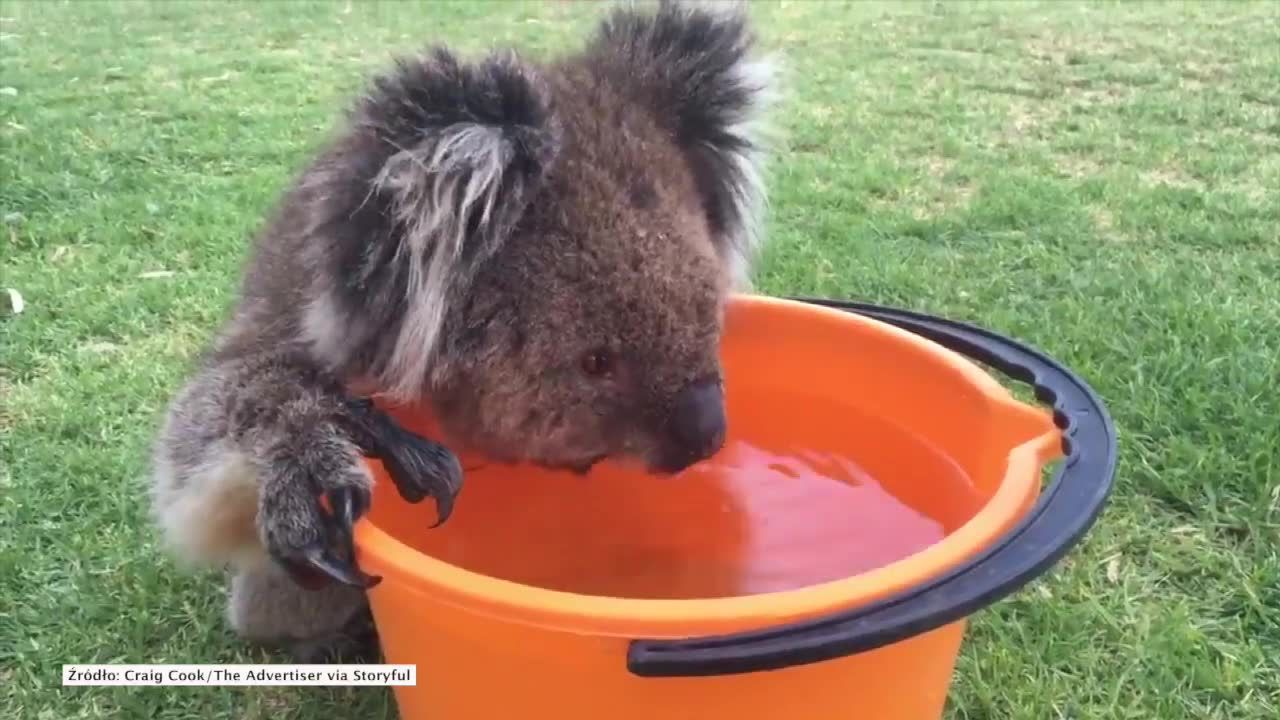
(352, 278)
(251, 444)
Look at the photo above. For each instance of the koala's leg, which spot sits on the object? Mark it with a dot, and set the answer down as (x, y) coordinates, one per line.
(330, 624)
(248, 449)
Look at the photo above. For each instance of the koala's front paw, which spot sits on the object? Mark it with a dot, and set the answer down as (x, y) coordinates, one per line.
(315, 543)
(311, 542)
(418, 467)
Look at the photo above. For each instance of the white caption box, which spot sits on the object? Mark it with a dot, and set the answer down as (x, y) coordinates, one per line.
(230, 675)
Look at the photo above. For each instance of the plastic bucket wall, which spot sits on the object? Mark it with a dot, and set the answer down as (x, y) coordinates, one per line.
(490, 648)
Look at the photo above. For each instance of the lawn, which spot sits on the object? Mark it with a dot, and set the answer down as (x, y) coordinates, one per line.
(1099, 179)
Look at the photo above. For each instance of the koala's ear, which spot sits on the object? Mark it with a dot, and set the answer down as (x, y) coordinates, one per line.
(694, 65)
(470, 144)
(441, 161)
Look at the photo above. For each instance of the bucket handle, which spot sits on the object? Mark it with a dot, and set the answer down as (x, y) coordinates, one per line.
(1065, 510)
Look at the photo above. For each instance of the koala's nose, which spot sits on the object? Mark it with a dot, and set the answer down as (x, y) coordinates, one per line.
(698, 422)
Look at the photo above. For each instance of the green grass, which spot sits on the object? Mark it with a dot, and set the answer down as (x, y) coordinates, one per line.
(1099, 179)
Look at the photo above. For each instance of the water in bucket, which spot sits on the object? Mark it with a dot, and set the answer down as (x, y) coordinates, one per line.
(778, 512)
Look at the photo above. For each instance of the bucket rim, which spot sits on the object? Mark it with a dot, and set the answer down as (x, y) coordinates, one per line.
(405, 568)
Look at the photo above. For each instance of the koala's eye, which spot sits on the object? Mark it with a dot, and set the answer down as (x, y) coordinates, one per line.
(597, 362)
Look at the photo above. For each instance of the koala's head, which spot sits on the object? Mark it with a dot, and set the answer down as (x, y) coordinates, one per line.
(545, 251)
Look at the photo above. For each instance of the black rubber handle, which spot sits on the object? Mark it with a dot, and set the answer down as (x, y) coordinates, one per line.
(1065, 510)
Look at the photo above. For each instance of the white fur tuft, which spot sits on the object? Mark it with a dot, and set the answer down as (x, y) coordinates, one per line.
(327, 328)
(438, 187)
(207, 516)
(747, 236)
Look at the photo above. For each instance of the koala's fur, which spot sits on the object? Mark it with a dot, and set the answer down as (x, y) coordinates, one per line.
(478, 234)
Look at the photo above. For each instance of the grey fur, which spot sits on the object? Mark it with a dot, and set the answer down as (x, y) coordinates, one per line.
(326, 625)
(541, 252)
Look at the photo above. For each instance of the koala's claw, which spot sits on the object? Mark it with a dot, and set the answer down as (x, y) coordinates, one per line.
(349, 504)
(313, 565)
(418, 466)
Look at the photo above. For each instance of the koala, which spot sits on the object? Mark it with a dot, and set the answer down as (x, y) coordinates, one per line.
(540, 251)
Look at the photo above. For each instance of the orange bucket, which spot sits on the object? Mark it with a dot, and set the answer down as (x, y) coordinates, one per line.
(877, 487)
